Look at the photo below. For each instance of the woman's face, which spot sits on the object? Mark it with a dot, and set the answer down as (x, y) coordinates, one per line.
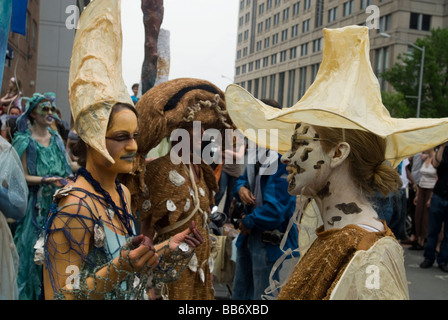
(120, 140)
(43, 113)
(307, 164)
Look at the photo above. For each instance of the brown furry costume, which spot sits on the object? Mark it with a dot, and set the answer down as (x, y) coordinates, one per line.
(163, 193)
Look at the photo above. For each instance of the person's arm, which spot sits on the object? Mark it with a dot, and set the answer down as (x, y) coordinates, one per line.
(36, 180)
(438, 158)
(67, 246)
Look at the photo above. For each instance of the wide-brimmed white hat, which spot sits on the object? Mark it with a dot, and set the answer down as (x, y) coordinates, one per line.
(95, 80)
(345, 94)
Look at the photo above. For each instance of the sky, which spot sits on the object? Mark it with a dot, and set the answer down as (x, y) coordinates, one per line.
(203, 35)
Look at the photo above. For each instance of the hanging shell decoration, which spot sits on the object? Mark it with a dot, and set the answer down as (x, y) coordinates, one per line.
(176, 178)
(170, 205)
(99, 236)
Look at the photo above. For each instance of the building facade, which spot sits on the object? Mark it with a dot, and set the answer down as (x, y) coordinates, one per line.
(22, 54)
(280, 42)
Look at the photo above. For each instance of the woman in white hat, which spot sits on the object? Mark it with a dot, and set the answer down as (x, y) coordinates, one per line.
(344, 148)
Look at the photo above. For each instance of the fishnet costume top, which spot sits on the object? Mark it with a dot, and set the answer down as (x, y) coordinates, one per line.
(75, 248)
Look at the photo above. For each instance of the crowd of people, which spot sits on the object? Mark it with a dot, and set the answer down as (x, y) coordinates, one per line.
(95, 213)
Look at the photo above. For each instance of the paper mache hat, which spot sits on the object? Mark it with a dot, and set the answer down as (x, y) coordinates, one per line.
(95, 81)
(345, 94)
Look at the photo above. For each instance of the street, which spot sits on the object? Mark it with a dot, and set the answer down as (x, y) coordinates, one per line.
(424, 284)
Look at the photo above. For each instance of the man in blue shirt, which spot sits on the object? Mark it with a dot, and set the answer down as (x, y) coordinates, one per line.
(268, 209)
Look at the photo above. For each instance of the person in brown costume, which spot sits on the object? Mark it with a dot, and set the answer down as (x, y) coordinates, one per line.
(175, 189)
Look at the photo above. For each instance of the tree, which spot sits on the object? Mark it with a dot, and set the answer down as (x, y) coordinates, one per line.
(404, 77)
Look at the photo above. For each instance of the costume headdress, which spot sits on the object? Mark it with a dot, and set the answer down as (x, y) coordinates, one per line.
(346, 94)
(95, 81)
(31, 104)
(175, 104)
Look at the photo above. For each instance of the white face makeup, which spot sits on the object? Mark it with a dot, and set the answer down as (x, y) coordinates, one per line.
(307, 164)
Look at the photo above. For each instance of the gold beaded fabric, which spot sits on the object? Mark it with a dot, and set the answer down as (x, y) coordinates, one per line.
(172, 199)
(320, 269)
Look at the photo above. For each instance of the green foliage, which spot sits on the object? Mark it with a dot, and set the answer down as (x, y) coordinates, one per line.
(404, 77)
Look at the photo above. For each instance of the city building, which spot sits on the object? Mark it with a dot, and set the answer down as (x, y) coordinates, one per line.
(280, 42)
(22, 53)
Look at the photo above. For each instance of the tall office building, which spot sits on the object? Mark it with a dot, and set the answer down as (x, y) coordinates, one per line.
(280, 42)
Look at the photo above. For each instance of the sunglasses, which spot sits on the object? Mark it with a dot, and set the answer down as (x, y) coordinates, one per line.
(123, 137)
(46, 107)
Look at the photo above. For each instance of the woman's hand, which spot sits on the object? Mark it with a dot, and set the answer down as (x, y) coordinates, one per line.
(190, 236)
(140, 258)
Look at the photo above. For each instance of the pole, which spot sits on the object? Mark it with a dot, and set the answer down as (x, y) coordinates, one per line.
(420, 83)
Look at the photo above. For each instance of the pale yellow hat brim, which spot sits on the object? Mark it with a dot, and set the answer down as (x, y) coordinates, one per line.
(346, 94)
(95, 80)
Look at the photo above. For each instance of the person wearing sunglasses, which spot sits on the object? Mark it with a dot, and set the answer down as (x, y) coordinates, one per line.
(46, 168)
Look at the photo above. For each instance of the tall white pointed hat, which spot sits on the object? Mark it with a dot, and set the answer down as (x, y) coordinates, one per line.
(345, 94)
(95, 80)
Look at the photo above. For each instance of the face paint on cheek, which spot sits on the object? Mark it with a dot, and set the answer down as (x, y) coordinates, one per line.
(305, 154)
(319, 164)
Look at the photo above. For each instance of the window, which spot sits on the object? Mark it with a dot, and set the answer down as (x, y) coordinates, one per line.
(274, 59)
(302, 81)
(275, 39)
(304, 49)
(259, 45)
(245, 52)
(283, 56)
(276, 19)
(247, 18)
(238, 54)
(268, 4)
(385, 23)
(265, 62)
(332, 14)
(348, 8)
(365, 4)
(306, 4)
(281, 87)
(286, 14)
(293, 53)
(272, 86)
(319, 14)
(381, 64)
(257, 64)
(264, 83)
(317, 45)
(261, 9)
(295, 31)
(314, 71)
(246, 34)
(268, 24)
(306, 26)
(296, 9)
(420, 21)
(250, 66)
(291, 85)
(266, 43)
(285, 35)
